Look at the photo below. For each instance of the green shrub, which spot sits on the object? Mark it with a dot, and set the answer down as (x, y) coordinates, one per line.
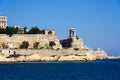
(24, 45)
(52, 43)
(36, 45)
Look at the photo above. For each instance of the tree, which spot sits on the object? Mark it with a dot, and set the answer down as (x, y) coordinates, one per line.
(24, 45)
(34, 30)
(35, 45)
(10, 30)
(52, 43)
(2, 31)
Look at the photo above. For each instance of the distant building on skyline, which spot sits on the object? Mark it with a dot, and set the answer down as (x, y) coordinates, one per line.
(3, 22)
(20, 30)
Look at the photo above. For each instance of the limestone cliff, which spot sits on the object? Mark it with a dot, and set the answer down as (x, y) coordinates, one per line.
(49, 48)
(50, 55)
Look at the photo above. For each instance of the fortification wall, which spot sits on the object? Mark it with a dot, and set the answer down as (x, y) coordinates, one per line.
(16, 40)
(77, 43)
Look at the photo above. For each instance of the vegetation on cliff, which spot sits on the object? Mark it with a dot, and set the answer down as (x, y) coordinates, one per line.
(34, 30)
(8, 30)
(36, 45)
(51, 44)
(24, 45)
(14, 30)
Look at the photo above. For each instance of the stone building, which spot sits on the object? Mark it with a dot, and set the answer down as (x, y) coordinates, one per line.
(48, 32)
(72, 41)
(20, 30)
(3, 22)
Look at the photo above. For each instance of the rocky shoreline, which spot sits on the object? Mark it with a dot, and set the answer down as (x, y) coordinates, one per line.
(46, 47)
(49, 55)
(113, 57)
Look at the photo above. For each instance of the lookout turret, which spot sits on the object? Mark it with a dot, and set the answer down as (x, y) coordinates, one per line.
(73, 41)
(72, 33)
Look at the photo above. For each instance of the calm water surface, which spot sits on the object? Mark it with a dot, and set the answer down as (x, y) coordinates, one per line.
(96, 70)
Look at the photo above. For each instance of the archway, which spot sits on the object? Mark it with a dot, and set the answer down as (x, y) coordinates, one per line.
(50, 33)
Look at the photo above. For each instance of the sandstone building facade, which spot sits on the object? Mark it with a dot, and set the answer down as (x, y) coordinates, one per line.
(49, 32)
(3, 22)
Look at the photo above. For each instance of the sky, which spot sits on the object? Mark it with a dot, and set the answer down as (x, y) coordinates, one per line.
(97, 22)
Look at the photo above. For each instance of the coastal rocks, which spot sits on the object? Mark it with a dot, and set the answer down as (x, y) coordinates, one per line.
(52, 55)
(21, 58)
(36, 57)
(48, 58)
(72, 58)
(113, 57)
(33, 57)
(100, 54)
(2, 58)
(90, 56)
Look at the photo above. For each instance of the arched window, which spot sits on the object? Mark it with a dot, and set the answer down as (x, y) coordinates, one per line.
(50, 33)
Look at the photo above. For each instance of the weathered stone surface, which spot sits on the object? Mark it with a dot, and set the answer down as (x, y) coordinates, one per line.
(53, 55)
(16, 40)
(77, 52)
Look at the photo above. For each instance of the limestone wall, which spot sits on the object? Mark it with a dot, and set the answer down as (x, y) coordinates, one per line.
(16, 40)
(77, 43)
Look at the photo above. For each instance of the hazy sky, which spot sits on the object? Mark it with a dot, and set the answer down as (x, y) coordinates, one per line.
(97, 21)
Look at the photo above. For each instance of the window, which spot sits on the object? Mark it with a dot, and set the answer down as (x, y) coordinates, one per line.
(50, 33)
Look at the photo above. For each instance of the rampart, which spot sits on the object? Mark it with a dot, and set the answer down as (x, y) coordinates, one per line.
(16, 40)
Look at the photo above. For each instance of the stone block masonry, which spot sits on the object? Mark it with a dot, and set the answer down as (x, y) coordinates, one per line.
(16, 40)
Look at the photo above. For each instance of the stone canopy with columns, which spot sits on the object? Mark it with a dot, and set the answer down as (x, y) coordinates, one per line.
(73, 40)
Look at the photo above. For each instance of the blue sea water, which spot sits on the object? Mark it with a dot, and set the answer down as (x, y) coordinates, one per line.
(94, 70)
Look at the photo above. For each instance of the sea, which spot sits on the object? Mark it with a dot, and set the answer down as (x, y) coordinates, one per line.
(91, 70)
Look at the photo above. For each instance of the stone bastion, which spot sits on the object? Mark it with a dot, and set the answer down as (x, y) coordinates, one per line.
(16, 40)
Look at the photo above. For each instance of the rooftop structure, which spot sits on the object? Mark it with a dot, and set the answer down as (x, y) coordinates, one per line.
(72, 33)
(49, 32)
(20, 30)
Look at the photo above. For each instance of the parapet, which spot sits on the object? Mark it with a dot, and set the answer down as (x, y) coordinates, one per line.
(49, 32)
